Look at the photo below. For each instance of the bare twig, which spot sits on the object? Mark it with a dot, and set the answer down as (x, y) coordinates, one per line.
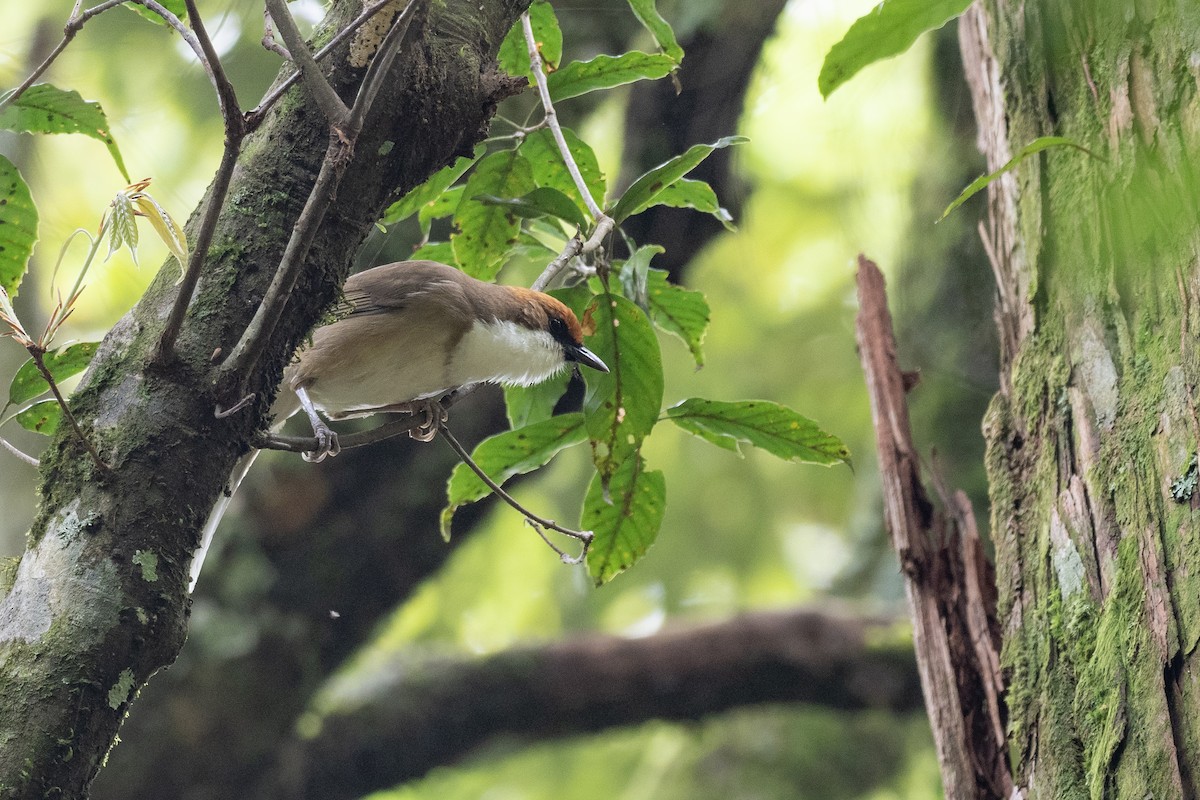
(28, 459)
(235, 370)
(255, 117)
(38, 353)
(539, 77)
(535, 522)
(331, 105)
(399, 427)
(231, 112)
(268, 40)
(604, 223)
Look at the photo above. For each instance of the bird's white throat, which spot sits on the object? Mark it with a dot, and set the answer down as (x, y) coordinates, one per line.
(506, 352)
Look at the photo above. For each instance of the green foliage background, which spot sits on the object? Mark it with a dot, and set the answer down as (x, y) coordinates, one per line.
(866, 170)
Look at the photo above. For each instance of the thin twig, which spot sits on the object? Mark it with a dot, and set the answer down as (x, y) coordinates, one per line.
(268, 40)
(576, 246)
(37, 353)
(164, 350)
(74, 23)
(21, 454)
(399, 427)
(327, 99)
(535, 522)
(235, 133)
(255, 116)
(539, 77)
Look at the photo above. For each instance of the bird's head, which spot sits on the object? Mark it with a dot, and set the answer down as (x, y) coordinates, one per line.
(542, 313)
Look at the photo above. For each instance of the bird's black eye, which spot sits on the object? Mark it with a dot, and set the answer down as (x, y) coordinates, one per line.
(559, 330)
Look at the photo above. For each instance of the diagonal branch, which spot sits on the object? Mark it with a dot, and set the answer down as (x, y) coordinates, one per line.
(331, 105)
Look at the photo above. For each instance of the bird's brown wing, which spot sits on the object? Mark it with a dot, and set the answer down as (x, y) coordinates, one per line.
(392, 287)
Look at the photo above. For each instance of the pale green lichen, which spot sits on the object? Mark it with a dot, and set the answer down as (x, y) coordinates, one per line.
(148, 561)
(120, 691)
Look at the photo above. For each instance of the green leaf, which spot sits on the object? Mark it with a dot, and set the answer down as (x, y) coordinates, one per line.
(541, 202)
(886, 30)
(431, 189)
(62, 363)
(775, 428)
(441, 252)
(648, 15)
(605, 72)
(18, 227)
(651, 184)
(625, 516)
(486, 232)
(507, 454)
(550, 171)
(176, 7)
(622, 405)
(687, 193)
(41, 417)
(444, 206)
(1036, 146)
(527, 405)
(44, 108)
(122, 227)
(514, 55)
(678, 311)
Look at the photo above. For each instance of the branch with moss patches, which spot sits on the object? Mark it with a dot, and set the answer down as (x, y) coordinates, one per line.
(327, 99)
(537, 523)
(604, 223)
(236, 369)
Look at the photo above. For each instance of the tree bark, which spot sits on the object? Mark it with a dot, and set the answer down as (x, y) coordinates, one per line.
(421, 714)
(100, 599)
(1092, 437)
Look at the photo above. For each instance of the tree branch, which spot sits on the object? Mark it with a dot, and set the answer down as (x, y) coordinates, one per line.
(434, 712)
(955, 633)
(326, 98)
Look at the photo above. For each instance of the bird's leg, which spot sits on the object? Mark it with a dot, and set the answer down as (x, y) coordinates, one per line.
(434, 412)
(327, 438)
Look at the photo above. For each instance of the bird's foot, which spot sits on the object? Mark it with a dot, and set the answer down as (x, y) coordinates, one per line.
(435, 415)
(327, 444)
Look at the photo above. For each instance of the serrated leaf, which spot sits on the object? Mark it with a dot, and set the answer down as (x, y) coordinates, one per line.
(431, 189)
(527, 405)
(486, 232)
(549, 170)
(605, 72)
(62, 363)
(45, 108)
(122, 227)
(1036, 146)
(622, 405)
(514, 54)
(41, 417)
(176, 7)
(625, 517)
(687, 193)
(507, 454)
(541, 202)
(642, 193)
(678, 311)
(18, 227)
(659, 28)
(885, 31)
(165, 226)
(775, 428)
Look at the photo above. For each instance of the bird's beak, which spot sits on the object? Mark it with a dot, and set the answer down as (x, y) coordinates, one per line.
(586, 357)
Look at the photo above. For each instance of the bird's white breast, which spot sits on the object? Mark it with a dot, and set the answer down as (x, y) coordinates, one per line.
(505, 352)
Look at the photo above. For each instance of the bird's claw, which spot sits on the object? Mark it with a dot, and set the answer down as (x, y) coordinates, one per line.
(435, 415)
(327, 445)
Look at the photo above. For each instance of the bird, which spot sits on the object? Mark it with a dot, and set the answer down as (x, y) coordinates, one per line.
(408, 333)
(402, 336)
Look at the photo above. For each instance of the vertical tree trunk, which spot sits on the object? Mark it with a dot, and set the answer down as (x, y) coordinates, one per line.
(1092, 437)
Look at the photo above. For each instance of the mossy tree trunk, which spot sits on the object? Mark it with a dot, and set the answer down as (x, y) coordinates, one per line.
(1092, 437)
(100, 598)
